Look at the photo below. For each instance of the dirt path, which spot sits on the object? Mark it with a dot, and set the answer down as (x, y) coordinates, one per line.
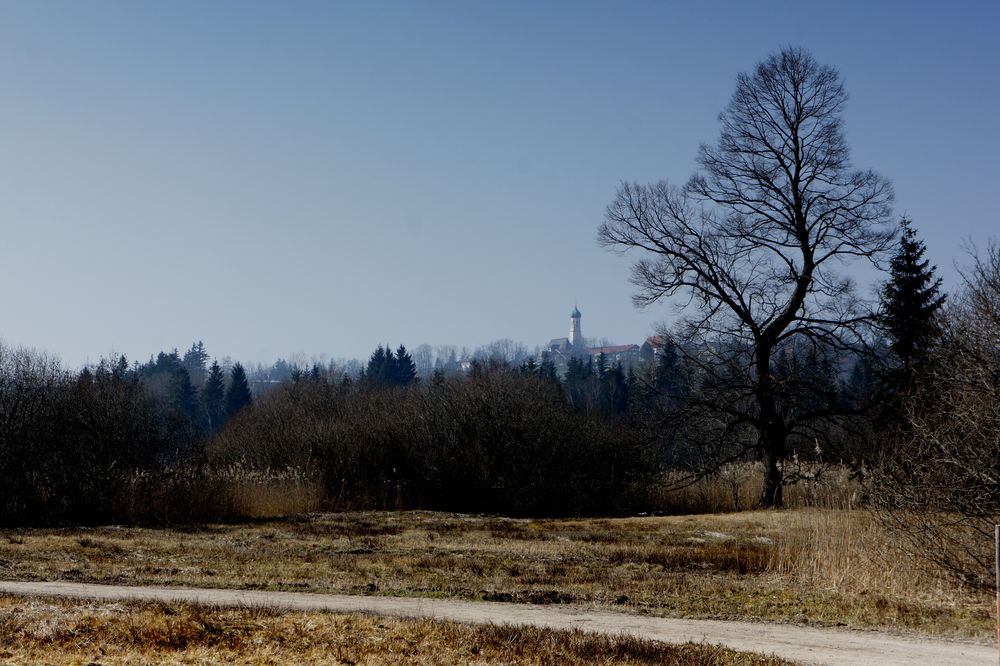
(811, 645)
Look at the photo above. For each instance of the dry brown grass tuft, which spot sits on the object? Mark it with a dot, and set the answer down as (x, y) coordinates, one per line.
(70, 632)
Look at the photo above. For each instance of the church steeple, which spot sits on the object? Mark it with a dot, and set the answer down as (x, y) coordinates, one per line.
(575, 336)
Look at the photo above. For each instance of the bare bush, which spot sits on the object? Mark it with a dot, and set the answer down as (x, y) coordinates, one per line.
(496, 442)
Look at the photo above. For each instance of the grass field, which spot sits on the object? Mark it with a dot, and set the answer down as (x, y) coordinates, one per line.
(802, 566)
(67, 632)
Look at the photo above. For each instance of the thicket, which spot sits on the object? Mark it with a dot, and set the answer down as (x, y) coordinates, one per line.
(499, 441)
(113, 443)
(83, 448)
(168, 440)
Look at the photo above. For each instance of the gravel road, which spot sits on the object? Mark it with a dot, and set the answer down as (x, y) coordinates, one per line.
(806, 644)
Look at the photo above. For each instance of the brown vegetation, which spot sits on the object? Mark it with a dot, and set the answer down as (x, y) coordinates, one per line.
(66, 632)
(803, 566)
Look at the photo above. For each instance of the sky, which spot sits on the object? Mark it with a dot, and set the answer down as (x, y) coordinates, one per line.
(318, 178)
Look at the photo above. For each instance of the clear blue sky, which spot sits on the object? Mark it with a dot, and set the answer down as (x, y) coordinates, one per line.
(291, 177)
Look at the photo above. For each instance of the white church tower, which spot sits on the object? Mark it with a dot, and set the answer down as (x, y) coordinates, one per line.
(575, 336)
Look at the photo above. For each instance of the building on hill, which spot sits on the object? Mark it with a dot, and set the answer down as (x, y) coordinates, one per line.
(652, 347)
(561, 350)
(572, 346)
(626, 355)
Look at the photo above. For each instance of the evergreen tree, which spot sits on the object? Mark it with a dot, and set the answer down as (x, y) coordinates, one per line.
(214, 397)
(861, 385)
(377, 366)
(668, 378)
(579, 382)
(547, 368)
(529, 367)
(452, 364)
(615, 388)
(185, 401)
(316, 374)
(383, 367)
(390, 372)
(238, 394)
(85, 378)
(405, 370)
(602, 367)
(196, 363)
(910, 302)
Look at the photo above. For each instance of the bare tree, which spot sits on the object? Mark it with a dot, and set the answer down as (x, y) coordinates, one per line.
(755, 241)
(503, 350)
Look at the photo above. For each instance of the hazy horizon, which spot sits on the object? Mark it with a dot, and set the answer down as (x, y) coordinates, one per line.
(320, 178)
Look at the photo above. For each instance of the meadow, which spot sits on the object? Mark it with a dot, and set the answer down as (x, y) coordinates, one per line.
(811, 566)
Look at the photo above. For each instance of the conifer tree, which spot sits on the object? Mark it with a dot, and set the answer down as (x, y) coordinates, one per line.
(602, 366)
(85, 378)
(238, 394)
(615, 388)
(315, 374)
(196, 363)
(214, 397)
(547, 368)
(405, 369)
(388, 369)
(376, 366)
(185, 400)
(667, 377)
(910, 302)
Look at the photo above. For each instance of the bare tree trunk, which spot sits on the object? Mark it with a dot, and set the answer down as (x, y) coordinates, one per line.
(772, 431)
(773, 496)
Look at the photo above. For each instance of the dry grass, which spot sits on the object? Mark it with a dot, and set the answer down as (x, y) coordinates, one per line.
(69, 632)
(269, 497)
(737, 487)
(805, 566)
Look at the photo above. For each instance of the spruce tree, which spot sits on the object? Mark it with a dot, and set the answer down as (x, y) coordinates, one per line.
(196, 363)
(214, 397)
(615, 389)
(910, 303)
(406, 369)
(390, 372)
(316, 374)
(185, 401)
(547, 368)
(376, 370)
(668, 379)
(238, 394)
(86, 378)
(602, 366)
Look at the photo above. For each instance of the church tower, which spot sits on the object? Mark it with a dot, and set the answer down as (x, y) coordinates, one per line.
(575, 336)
